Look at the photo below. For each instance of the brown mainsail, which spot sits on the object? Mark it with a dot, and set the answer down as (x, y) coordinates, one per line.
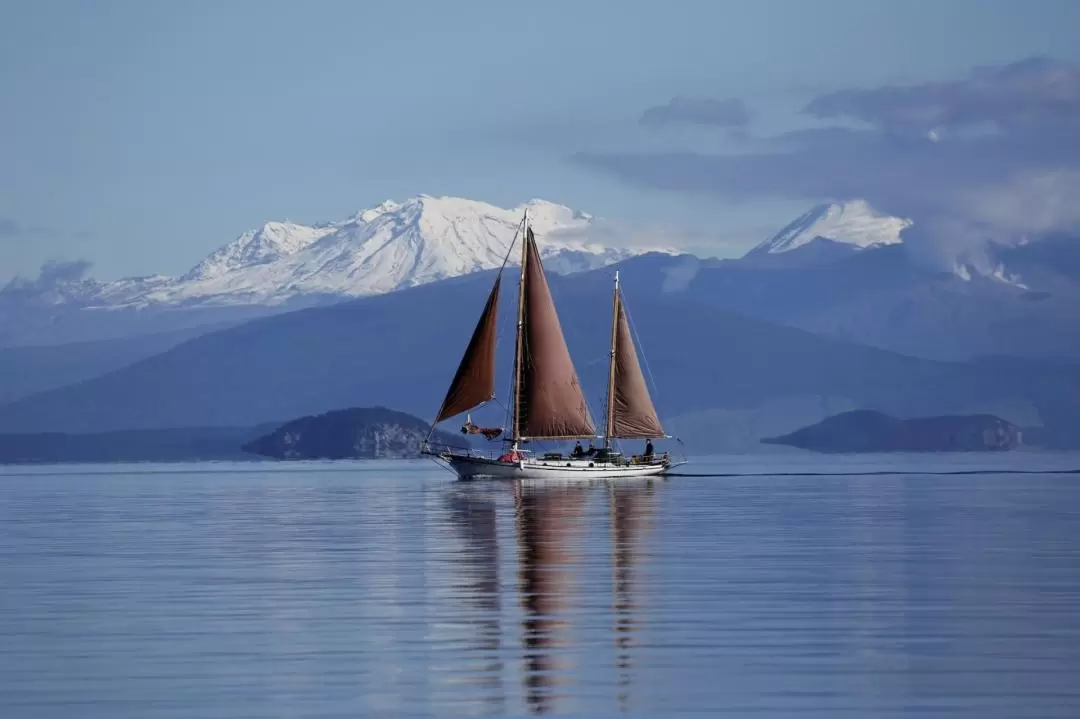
(474, 382)
(631, 414)
(549, 400)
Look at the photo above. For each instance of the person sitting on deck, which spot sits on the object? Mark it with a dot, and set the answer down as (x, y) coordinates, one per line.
(578, 451)
(648, 451)
(591, 451)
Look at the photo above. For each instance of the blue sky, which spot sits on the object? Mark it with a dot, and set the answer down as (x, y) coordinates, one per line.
(142, 135)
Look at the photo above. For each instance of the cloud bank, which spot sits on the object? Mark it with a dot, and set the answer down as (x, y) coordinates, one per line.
(53, 274)
(731, 113)
(992, 156)
(11, 228)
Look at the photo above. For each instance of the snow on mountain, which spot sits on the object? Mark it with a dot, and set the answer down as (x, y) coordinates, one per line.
(966, 271)
(851, 223)
(271, 242)
(857, 225)
(380, 249)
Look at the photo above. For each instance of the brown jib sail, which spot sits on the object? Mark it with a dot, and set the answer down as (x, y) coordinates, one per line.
(631, 414)
(550, 404)
(474, 382)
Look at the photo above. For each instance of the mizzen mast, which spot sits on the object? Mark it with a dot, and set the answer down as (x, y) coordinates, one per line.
(609, 416)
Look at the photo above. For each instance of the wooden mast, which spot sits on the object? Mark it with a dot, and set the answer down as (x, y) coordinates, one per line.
(610, 415)
(516, 419)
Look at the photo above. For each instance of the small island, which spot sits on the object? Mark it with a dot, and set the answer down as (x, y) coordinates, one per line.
(357, 433)
(871, 431)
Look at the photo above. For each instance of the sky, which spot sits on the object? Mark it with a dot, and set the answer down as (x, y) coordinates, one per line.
(141, 135)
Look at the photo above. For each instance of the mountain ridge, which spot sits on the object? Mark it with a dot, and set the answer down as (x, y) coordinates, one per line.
(854, 223)
(732, 366)
(871, 288)
(380, 249)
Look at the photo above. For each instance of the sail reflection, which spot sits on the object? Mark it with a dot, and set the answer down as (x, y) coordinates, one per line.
(631, 509)
(473, 513)
(550, 522)
(547, 520)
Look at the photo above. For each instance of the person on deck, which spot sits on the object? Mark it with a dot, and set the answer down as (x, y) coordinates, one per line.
(578, 451)
(591, 451)
(648, 450)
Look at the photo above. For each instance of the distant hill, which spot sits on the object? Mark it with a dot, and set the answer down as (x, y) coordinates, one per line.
(723, 378)
(371, 433)
(28, 370)
(881, 296)
(151, 445)
(869, 431)
(357, 433)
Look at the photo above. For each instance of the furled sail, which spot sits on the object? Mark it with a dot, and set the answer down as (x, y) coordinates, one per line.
(474, 382)
(631, 414)
(550, 403)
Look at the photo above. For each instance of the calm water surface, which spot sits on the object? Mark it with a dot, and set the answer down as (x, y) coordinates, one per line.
(388, 589)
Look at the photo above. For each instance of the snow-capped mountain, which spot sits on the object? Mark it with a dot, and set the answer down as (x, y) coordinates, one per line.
(855, 226)
(271, 242)
(381, 249)
(853, 223)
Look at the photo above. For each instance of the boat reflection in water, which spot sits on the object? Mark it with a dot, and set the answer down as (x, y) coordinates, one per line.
(574, 629)
(473, 513)
(631, 510)
(547, 522)
(551, 524)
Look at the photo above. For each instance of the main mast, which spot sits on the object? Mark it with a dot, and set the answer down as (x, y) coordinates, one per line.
(518, 349)
(609, 416)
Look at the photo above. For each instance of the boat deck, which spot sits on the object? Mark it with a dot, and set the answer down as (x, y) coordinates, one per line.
(468, 463)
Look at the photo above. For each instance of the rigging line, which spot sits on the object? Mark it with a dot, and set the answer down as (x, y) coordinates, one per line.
(641, 349)
(571, 334)
(505, 409)
(446, 467)
(644, 358)
(588, 406)
(502, 332)
(517, 231)
(506, 258)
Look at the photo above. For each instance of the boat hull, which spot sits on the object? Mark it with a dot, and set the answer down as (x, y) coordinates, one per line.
(468, 467)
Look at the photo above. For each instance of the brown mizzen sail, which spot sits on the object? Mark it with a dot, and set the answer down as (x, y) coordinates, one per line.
(474, 382)
(549, 401)
(631, 414)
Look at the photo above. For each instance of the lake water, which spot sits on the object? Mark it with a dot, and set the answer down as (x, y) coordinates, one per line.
(390, 589)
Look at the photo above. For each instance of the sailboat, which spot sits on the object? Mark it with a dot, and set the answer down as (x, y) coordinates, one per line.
(547, 402)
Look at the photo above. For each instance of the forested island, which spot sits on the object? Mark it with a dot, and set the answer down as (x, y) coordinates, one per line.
(356, 433)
